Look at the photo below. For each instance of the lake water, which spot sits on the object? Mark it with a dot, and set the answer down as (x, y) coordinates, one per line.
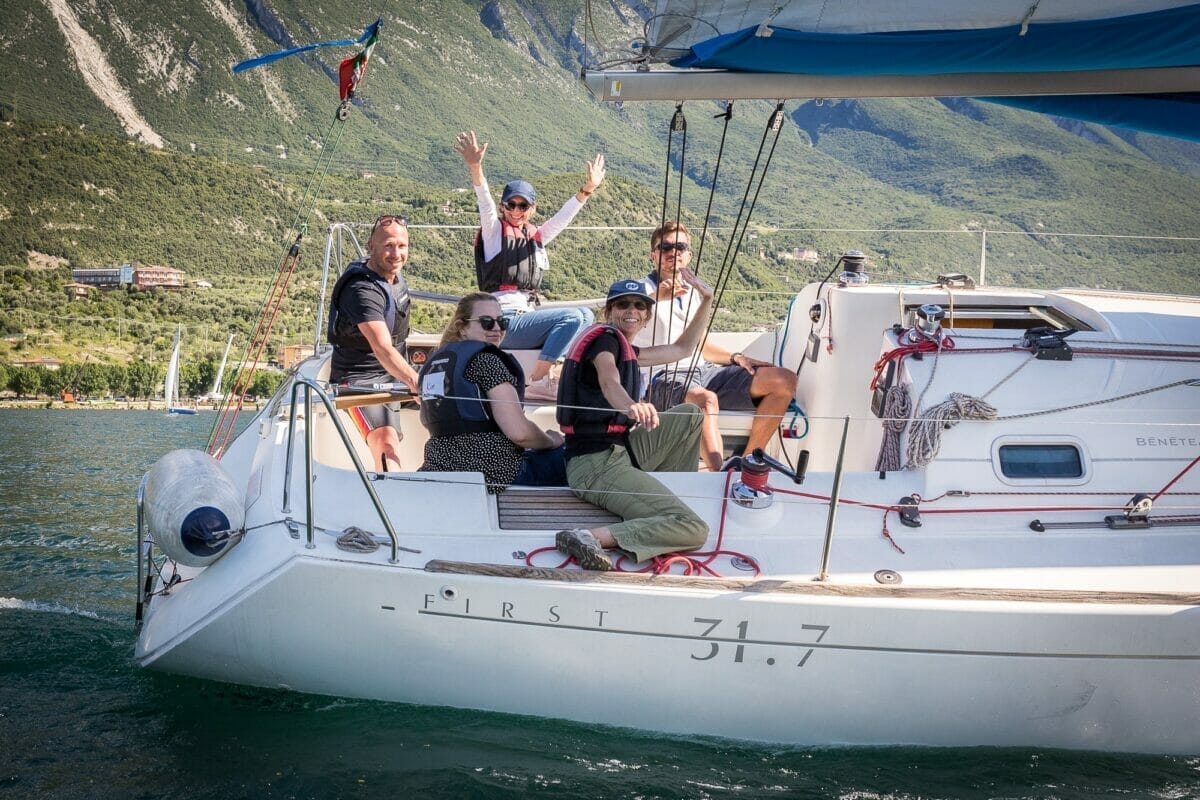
(79, 720)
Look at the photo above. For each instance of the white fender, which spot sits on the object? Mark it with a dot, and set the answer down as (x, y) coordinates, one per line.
(192, 507)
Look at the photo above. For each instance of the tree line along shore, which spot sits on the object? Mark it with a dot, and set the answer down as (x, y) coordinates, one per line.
(137, 384)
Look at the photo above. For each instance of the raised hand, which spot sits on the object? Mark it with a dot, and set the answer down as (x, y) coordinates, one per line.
(595, 172)
(470, 149)
(693, 280)
(669, 288)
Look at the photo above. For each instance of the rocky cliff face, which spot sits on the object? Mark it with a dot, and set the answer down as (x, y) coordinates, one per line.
(160, 73)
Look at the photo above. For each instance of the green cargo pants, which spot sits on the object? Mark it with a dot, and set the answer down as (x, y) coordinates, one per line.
(655, 520)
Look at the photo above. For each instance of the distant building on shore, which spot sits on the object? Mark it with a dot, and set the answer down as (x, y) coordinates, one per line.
(137, 274)
(43, 361)
(806, 254)
(104, 277)
(149, 276)
(76, 290)
(293, 354)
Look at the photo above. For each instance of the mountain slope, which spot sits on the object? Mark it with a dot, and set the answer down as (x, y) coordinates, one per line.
(508, 69)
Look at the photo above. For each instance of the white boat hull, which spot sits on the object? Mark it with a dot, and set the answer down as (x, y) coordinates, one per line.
(764, 666)
(1003, 630)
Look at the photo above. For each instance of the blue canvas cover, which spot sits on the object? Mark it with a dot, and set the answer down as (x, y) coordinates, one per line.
(1164, 37)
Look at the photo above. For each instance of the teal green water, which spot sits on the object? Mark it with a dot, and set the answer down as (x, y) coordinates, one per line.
(79, 720)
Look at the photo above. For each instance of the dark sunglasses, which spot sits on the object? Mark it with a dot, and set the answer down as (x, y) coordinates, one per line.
(640, 305)
(488, 323)
(513, 205)
(384, 219)
(666, 247)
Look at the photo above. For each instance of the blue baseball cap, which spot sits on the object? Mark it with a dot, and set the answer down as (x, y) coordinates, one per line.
(629, 287)
(519, 189)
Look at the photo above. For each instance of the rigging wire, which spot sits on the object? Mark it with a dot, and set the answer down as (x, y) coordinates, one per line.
(225, 422)
(670, 374)
(745, 213)
(727, 115)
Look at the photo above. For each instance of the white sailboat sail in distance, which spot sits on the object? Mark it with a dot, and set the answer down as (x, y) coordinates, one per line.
(171, 384)
(215, 393)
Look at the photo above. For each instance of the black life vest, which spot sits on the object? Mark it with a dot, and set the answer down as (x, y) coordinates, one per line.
(451, 404)
(396, 310)
(519, 263)
(582, 410)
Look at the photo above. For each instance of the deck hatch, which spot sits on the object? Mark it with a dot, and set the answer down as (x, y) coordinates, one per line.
(1002, 317)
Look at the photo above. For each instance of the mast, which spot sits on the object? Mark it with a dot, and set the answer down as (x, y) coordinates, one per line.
(216, 388)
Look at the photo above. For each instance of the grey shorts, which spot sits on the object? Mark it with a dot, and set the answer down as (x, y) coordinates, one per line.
(731, 385)
(369, 418)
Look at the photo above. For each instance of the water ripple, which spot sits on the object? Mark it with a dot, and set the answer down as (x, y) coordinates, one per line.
(74, 707)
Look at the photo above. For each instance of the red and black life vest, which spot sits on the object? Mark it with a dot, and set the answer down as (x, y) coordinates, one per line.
(451, 404)
(518, 264)
(583, 410)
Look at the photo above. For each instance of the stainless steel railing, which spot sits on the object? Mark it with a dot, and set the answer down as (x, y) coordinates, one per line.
(309, 386)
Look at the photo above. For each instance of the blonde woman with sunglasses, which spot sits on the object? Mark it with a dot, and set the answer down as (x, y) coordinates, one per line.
(471, 394)
(510, 257)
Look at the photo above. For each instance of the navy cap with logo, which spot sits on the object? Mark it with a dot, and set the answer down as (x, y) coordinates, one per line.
(629, 288)
(519, 189)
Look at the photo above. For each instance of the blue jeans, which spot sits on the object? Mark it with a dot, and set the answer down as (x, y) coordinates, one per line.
(551, 329)
(543, 468)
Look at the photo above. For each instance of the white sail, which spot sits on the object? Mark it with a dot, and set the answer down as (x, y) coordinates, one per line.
(171, 385)
(216, 393)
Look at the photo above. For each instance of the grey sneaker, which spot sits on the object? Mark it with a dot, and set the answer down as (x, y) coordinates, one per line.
(583, 547)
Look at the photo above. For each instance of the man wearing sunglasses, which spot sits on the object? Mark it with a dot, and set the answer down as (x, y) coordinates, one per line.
(715, 378)
(368, 326)
(510, 257)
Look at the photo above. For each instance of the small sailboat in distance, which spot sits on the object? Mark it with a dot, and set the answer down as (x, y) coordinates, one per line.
(215, 393)
(171, 385)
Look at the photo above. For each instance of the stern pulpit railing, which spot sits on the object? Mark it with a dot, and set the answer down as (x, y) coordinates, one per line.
(308, 386)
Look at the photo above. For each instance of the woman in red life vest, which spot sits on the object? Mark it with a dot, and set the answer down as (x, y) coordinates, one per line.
(510, 257)
(612, 438)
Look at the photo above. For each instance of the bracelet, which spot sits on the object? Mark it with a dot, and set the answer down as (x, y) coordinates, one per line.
(733, 358)
(586, 192)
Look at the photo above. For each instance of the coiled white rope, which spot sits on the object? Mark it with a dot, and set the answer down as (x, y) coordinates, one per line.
(925, 434)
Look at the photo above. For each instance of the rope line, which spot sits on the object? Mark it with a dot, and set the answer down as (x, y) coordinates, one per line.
(694, 562)
(1103, 401)
(233, 403)
(897, 407)
(925, 438)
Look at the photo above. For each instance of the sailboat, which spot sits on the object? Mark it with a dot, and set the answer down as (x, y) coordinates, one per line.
(1026, 577)
(171, 384)
(215, 393)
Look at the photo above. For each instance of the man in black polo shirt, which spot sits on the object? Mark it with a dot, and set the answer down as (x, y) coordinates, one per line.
(368, 325)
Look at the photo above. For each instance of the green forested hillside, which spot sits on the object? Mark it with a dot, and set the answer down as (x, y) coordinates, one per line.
(239, 157)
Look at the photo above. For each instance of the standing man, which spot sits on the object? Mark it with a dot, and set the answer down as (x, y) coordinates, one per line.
(368, 326)
(717, 378)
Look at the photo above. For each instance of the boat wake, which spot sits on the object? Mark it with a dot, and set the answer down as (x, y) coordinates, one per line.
(15, 604)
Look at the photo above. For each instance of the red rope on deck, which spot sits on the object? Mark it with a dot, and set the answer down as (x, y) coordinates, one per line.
(1175, 480)
(693, 563)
